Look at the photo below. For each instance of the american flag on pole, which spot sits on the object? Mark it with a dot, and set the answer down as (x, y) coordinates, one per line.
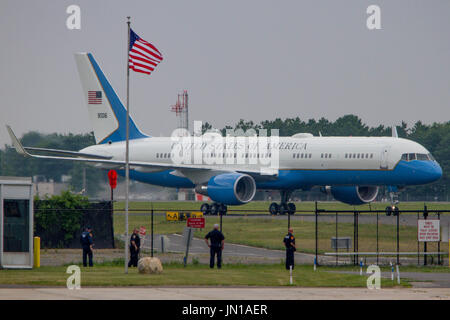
(143, 56)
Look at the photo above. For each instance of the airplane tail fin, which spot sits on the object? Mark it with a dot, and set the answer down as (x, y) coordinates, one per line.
(106, 111)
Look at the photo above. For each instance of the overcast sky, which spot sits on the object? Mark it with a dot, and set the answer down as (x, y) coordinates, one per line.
(250, 59)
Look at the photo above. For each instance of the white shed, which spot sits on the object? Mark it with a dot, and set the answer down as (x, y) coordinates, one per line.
(16, 222)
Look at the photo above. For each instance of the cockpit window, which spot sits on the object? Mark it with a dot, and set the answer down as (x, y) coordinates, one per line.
(422, 156)
(417, 156)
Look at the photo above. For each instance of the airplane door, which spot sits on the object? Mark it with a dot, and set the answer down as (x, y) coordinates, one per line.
(384, 157)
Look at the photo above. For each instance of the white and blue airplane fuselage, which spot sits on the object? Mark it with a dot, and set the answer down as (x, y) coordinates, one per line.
(350, 168)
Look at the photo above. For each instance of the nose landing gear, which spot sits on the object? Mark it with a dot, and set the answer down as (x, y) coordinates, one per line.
(393, 208)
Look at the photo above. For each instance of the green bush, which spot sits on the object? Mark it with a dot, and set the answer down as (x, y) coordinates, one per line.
(59, 217)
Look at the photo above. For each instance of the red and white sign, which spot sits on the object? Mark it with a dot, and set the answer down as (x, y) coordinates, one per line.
(196, 222)
(200, 197)
(428, 230)
(142, 231)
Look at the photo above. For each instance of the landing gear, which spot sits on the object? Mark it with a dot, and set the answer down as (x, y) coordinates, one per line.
(393, 208)
(284, 207)
(205, 209)
(274, 208)
(223, 209)
(214, 209)
(291, 208)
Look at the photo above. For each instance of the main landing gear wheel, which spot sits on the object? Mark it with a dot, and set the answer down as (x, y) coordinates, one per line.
(213, 209)
(205, 209)
(223, 209)
(274, 208)
(291, 208)
(284, 207)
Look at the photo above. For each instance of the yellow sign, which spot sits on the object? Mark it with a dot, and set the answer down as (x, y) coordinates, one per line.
(172, 216)
(181, 216)
(196, 214)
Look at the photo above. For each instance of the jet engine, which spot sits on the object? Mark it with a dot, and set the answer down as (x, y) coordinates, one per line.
(354, 195)
(229, 188)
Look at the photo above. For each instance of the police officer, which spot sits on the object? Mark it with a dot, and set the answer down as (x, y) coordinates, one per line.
(87, 244)
(135, 245)
(289, 243)
(216, 246)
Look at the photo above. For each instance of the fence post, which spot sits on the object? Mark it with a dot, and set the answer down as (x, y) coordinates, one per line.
(336, 243)
(418, 243)
(439, 242)
(355, 237)
(111, 216)
(398, 237)
(425, 215)
(316, 231)
(289, 220)
(152, 231)
(377, 240)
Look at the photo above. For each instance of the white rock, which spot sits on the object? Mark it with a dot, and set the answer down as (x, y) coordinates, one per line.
(150, 265)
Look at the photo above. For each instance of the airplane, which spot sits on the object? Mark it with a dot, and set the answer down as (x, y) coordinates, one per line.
(351, 169)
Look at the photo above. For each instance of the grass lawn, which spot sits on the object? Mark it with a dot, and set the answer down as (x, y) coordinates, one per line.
(269, 232)
(112, 274)
(262, 206)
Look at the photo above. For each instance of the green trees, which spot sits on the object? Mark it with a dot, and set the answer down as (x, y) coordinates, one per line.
(58, 218)
(14, 164)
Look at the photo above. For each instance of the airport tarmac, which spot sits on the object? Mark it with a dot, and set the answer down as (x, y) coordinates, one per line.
(224, 293)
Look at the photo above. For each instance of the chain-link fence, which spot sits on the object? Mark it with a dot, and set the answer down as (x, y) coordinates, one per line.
(59, 227)
(352, 237)
(334, 237)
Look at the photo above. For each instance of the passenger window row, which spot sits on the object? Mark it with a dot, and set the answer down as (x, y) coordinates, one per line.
(358, 155)
(302, 155)
(163, 155)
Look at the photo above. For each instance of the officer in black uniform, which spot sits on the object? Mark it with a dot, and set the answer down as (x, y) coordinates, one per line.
(87, 244)
(135, 245)
(289, 243)
(216, 246)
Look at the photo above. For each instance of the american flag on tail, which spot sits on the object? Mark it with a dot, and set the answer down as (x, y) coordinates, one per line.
(142, 56)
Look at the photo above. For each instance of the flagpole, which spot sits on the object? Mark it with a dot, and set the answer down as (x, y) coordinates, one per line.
(127, 152)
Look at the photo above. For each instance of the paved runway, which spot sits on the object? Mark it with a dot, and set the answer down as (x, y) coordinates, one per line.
(223, 293)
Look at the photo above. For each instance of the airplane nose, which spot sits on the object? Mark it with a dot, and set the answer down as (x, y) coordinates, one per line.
(437, 172)
(433, 171)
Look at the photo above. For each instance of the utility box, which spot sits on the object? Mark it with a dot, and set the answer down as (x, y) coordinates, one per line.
(341, 243)
(16, 223)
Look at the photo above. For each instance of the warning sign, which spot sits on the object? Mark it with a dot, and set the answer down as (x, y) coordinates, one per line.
(428, 230)
(196, 222)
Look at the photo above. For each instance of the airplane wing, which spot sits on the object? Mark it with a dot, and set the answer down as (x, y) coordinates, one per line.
(68, 153)
(140, 165)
